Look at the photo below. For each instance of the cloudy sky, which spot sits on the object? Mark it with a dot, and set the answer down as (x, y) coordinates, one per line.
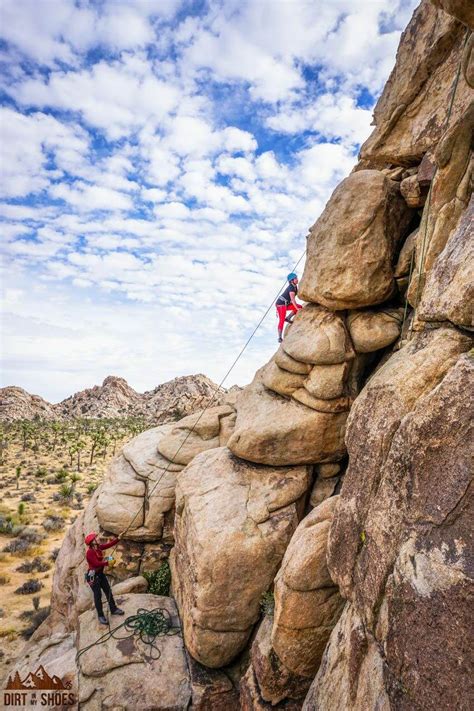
(162, 161)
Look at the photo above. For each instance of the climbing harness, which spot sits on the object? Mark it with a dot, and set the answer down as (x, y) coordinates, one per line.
(421, 272)
(144, 627)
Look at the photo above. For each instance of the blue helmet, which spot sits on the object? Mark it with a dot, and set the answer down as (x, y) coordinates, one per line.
(292, 276)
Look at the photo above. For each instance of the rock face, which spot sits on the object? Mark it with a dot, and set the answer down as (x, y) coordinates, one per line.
(351, 247)
(407, 577)
(126, 673)
(272, 430)
(449, 291)
(233, 522)
(410, 115)
(17, 404)
(307, 603)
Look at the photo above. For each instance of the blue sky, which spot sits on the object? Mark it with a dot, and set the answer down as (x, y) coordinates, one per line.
(162, 162)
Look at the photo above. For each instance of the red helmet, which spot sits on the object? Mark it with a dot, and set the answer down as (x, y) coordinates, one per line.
(90, 537)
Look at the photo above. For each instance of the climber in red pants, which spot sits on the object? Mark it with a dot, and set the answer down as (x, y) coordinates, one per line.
(96, 578)
(287, 302)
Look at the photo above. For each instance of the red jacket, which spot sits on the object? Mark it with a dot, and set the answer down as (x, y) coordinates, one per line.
(95, 556)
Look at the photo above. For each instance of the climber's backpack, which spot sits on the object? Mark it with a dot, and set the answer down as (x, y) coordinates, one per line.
(89, 577)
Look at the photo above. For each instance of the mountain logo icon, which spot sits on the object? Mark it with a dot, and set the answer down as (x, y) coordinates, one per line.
(40, 679)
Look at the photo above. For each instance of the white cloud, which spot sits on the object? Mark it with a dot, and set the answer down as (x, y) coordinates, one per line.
(167, 180)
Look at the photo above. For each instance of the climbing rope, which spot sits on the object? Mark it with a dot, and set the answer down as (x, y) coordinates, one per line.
(150, 624)
(214, 395)
(145, 627)
(421, 272)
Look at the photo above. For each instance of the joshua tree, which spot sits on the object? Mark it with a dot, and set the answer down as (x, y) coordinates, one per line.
(17, 476)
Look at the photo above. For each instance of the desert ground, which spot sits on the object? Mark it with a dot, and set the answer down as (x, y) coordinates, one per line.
(48, 472)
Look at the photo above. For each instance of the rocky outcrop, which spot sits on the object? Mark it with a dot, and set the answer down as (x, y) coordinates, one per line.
(350, 250)
(115, 398)
(307, 603)
(125, 672)
(449, 290)
(17, 404)
(233, 523)
(410, 115)
(398, 550)
(273, 430)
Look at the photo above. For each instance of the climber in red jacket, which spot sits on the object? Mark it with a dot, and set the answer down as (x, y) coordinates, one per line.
(287, 302)
(96, 577)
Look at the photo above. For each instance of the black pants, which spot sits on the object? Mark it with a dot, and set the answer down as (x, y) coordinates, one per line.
(101, 583)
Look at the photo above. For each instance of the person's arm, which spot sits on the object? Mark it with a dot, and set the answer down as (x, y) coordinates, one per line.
(94, 560)
(293, 300)
(104, 546)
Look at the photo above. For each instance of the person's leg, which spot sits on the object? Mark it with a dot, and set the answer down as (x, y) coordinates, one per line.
(281, 310)
(109, 596)
(294, 310)
(96, 589)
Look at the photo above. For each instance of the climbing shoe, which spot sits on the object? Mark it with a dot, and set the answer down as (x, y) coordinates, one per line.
(280, 340)
(288, 319)
(118, 611)
(103, 620)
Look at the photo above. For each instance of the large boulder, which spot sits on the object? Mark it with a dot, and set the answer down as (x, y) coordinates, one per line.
(373, 330)
(233, 523)
(390, 395)
(194, 434)
(398, 543)
(307, 602)
(411, 113)
(273, 430)
(268, 683)
(138, 490)
(351, 675)
(351, 247)
(318, 336)
(450, 194)
(126, 672)
(448, 294)
(327, 381)
(281, 381)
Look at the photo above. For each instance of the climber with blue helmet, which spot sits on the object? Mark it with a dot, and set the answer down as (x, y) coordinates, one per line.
(287, 302)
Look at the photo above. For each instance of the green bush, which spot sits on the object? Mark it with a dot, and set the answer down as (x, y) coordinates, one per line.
(267, 603)
(61, 475)
(91, 488)
(159, 581)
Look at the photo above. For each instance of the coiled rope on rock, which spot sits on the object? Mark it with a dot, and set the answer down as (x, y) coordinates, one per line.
(145, 626)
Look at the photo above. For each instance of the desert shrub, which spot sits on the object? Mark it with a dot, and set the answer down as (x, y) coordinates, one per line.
(61, 475)
(4, 579)
(54, 554)
(37, 618)
(36, 602)
(53, 523)
(9, 527)
(37, 565)
(51, 480)
(25, 539)
(28, 497)
(91, 488)
(66, 491)
(21, 508)
(267, 603)
(41, 472)
(159, 581)
(32, 536)
(29, 587)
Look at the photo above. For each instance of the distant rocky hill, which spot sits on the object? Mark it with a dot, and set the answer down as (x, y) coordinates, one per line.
(114, 398)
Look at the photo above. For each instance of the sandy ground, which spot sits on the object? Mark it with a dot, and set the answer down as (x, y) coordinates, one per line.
(43, 487)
